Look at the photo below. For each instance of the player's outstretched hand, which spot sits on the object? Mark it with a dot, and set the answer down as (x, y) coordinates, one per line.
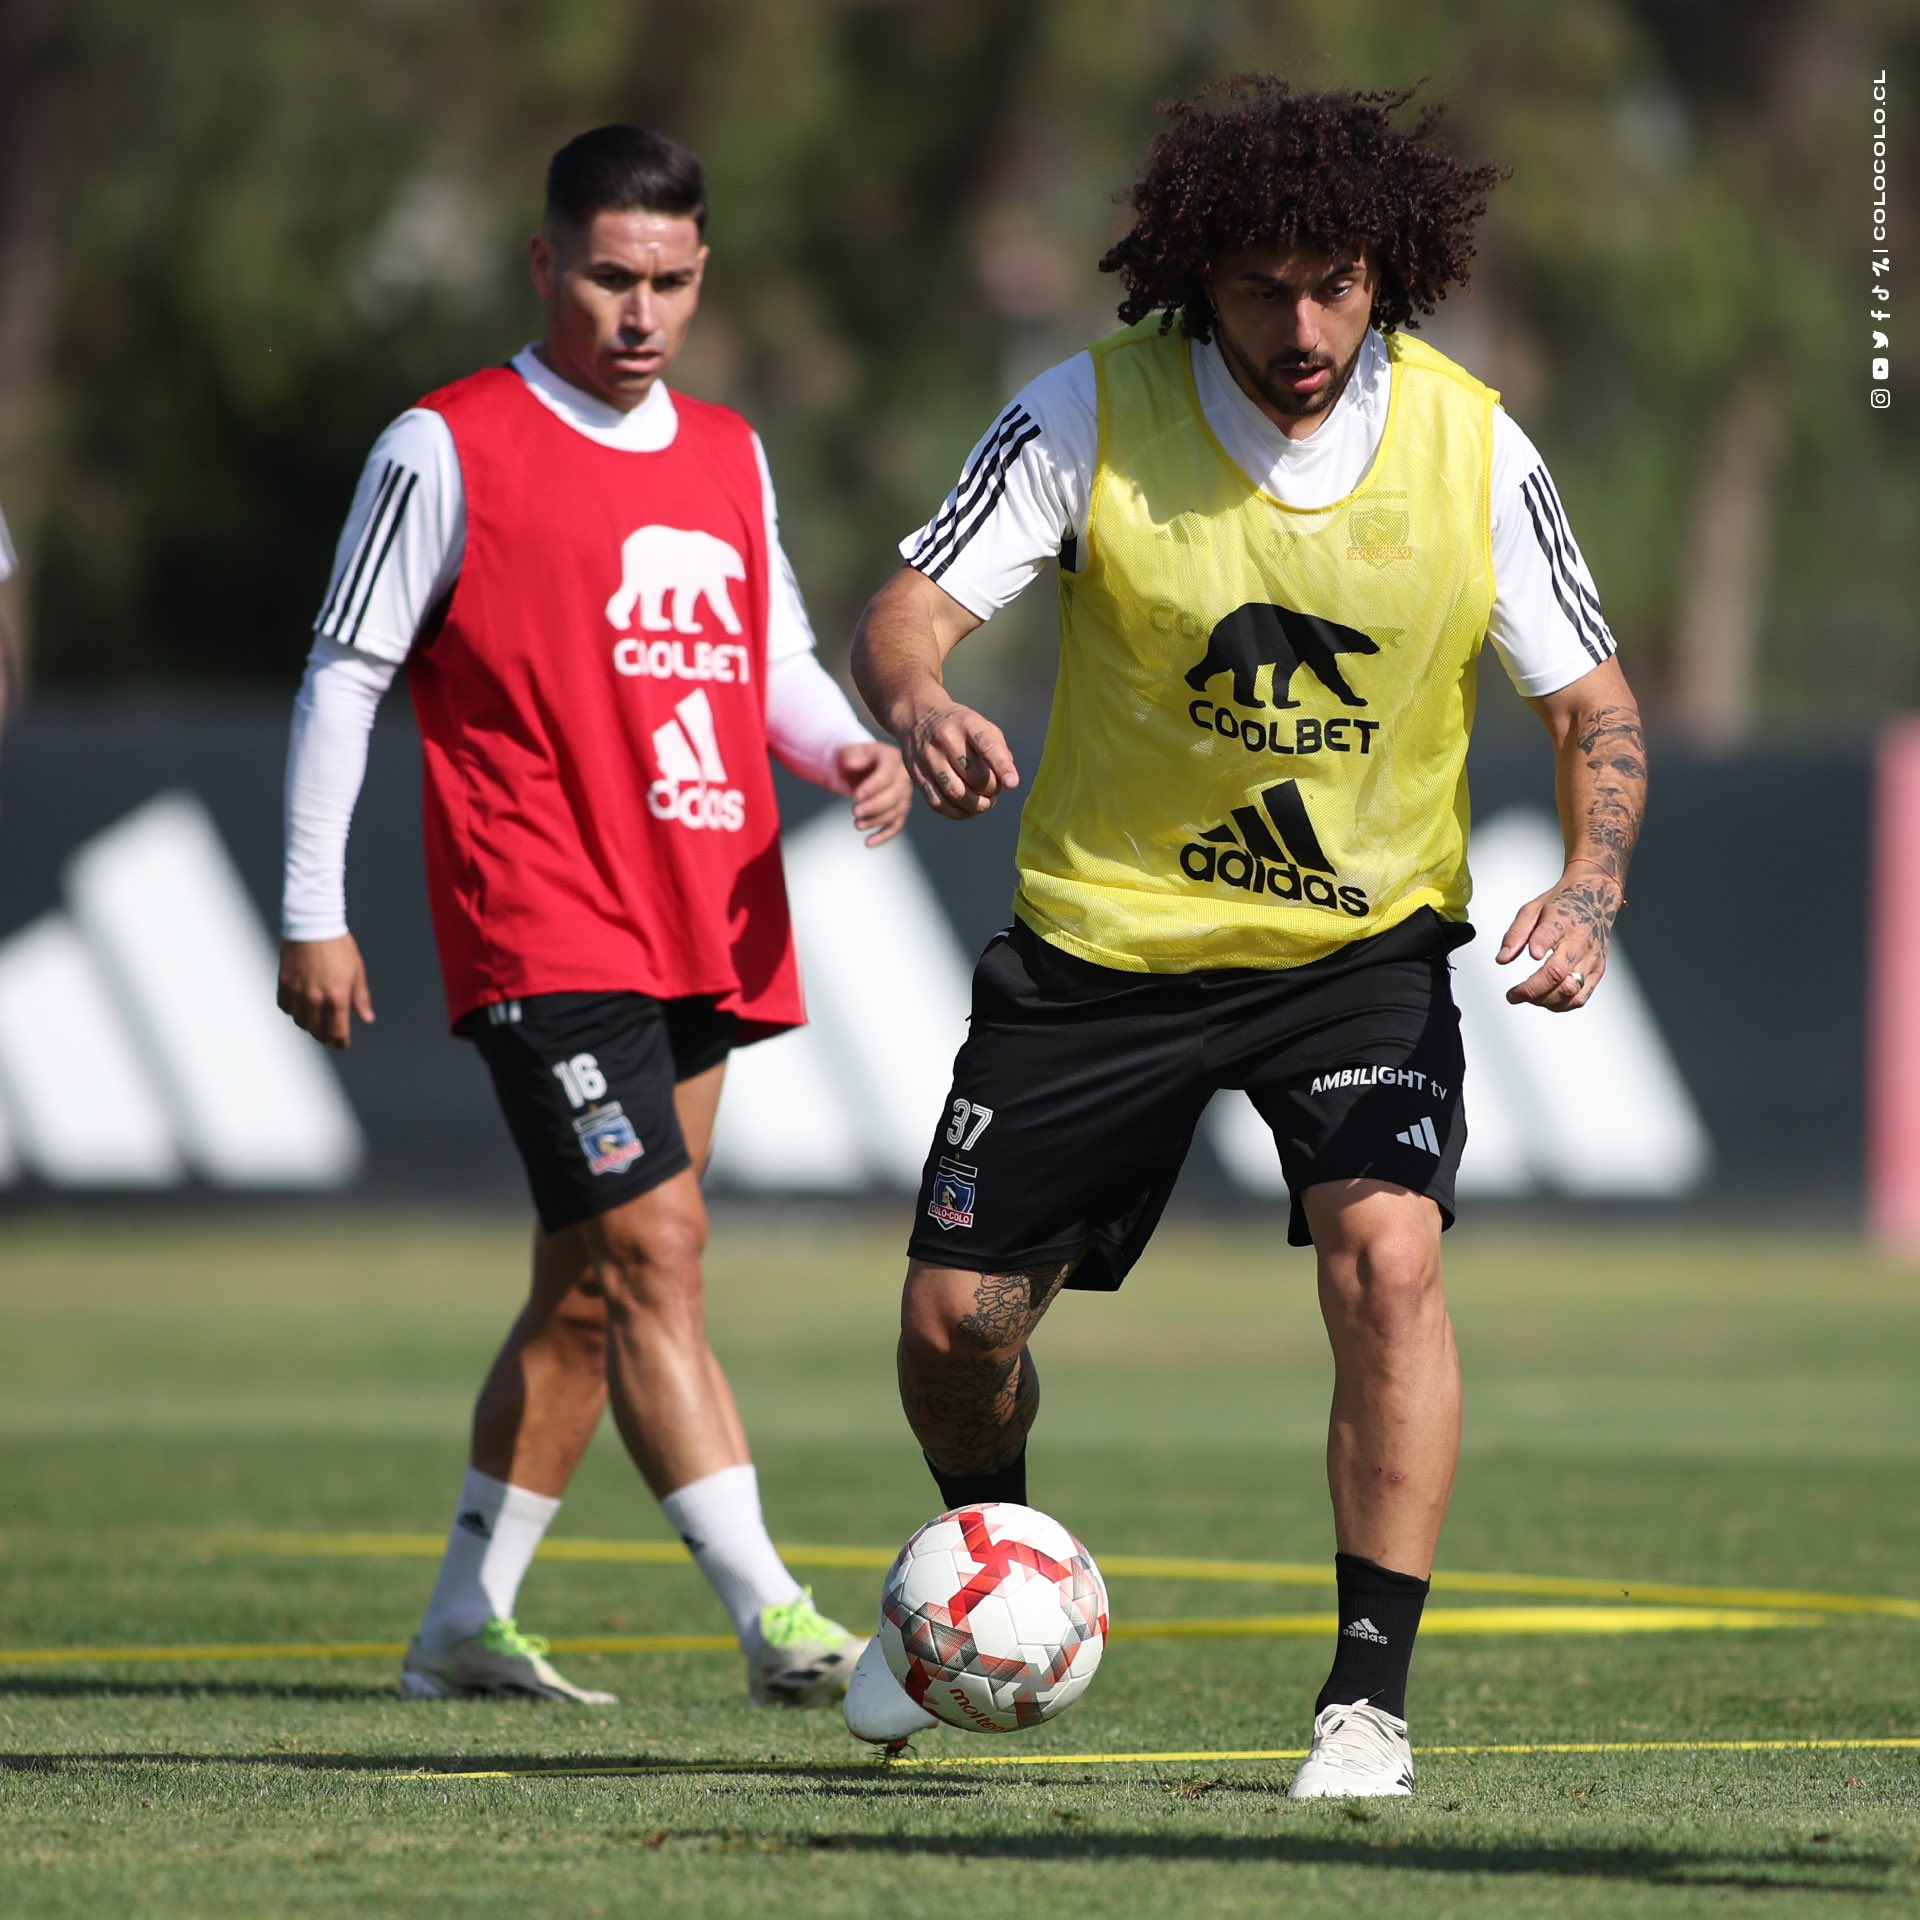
(958, 760)
(876, 779)
(1568, 930)
(323, 984)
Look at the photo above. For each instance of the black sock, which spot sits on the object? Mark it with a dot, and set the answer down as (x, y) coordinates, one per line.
(970, 1489)
(1379, 1616)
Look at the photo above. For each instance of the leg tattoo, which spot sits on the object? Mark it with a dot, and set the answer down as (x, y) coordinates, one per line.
(971, 1414)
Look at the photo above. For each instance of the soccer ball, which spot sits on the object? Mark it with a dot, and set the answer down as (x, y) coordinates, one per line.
(993, 1617)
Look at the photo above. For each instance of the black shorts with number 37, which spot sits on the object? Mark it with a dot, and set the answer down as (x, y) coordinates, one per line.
(1078, 1088)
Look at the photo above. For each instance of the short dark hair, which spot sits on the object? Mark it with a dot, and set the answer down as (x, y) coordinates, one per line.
(1249, 161)
(623, 170)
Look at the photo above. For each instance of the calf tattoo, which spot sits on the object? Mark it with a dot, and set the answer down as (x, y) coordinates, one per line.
(971, 1415)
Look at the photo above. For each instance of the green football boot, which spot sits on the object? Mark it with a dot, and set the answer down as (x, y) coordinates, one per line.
(797, 1657)
(499, 1659)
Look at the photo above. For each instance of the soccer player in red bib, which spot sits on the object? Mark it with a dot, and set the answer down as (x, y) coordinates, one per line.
(581, 571)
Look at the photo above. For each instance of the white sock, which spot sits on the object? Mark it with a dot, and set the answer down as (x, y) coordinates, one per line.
(719, 1519)
(495, 1532)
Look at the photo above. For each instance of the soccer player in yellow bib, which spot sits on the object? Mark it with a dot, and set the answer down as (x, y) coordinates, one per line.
(1283, 528)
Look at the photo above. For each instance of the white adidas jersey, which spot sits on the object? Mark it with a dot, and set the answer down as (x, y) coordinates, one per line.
(1021, 501)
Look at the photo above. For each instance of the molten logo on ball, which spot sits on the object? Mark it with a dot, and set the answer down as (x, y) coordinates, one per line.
(993, 1617)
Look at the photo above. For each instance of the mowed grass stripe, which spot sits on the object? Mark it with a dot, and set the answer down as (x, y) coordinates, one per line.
(1271, 1573)
(1441, 1620)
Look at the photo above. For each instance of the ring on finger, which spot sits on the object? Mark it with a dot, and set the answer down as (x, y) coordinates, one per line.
(1578, 978)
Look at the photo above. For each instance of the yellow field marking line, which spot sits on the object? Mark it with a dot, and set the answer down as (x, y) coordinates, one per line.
(1440, 1620)
(1197, 1757)
(1273, 1573)
(1482, 1620)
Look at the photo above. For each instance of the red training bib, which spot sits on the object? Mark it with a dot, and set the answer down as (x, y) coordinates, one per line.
(592, 707)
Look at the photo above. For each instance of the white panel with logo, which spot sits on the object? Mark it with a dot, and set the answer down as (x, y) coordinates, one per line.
(1586, 1104)
(140, 1046)
(139, 1040)
(887, 993)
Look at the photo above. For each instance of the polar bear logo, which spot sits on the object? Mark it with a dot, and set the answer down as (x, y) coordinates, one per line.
(1258, 635)
(658, 562)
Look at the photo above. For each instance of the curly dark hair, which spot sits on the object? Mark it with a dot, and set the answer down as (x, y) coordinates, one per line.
(1248, 161)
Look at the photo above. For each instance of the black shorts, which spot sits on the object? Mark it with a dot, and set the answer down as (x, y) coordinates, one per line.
(1078, 1088)
(586, 1082)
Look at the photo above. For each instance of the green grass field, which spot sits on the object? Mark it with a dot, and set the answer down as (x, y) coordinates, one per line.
(202, 1424)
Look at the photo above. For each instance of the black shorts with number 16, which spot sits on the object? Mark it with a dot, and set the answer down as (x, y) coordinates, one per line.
(1077, 1091)
(586, 1082)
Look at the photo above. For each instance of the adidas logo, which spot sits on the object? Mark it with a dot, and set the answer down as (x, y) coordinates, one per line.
(1421, 1135)
(474, 1522)
(140, 1047)
(692, 784)
(1363, 1629)
(1272, 849)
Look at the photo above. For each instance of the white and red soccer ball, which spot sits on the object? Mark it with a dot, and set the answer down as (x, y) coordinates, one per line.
(993, 1617)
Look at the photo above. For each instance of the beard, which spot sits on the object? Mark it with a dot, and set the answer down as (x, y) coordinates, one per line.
(1265, 381)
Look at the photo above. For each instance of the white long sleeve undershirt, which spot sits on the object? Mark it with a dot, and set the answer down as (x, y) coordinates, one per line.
(326, 762)
(809, 720)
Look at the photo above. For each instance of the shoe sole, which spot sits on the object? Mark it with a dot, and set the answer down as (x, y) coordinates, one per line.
(821, 1682)
(817, 1693)
(1354, 1793)
(1337, 1789)
(423, 1686)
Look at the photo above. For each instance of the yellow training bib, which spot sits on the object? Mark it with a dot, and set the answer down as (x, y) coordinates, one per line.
(1259, 737)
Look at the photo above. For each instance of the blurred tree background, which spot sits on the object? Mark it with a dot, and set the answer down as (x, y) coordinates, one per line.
(236, 239)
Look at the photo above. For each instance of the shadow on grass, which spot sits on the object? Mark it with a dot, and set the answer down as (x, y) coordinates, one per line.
(854, 1778)
(1795, 1869)
(1800, 1868)
(34, 1688)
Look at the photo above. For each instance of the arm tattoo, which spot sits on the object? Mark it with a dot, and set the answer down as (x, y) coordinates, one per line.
(1613, 784)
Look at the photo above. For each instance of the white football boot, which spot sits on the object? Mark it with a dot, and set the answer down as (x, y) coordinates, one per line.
(878, 1709)
(500, 1659)
(1358, 1751)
